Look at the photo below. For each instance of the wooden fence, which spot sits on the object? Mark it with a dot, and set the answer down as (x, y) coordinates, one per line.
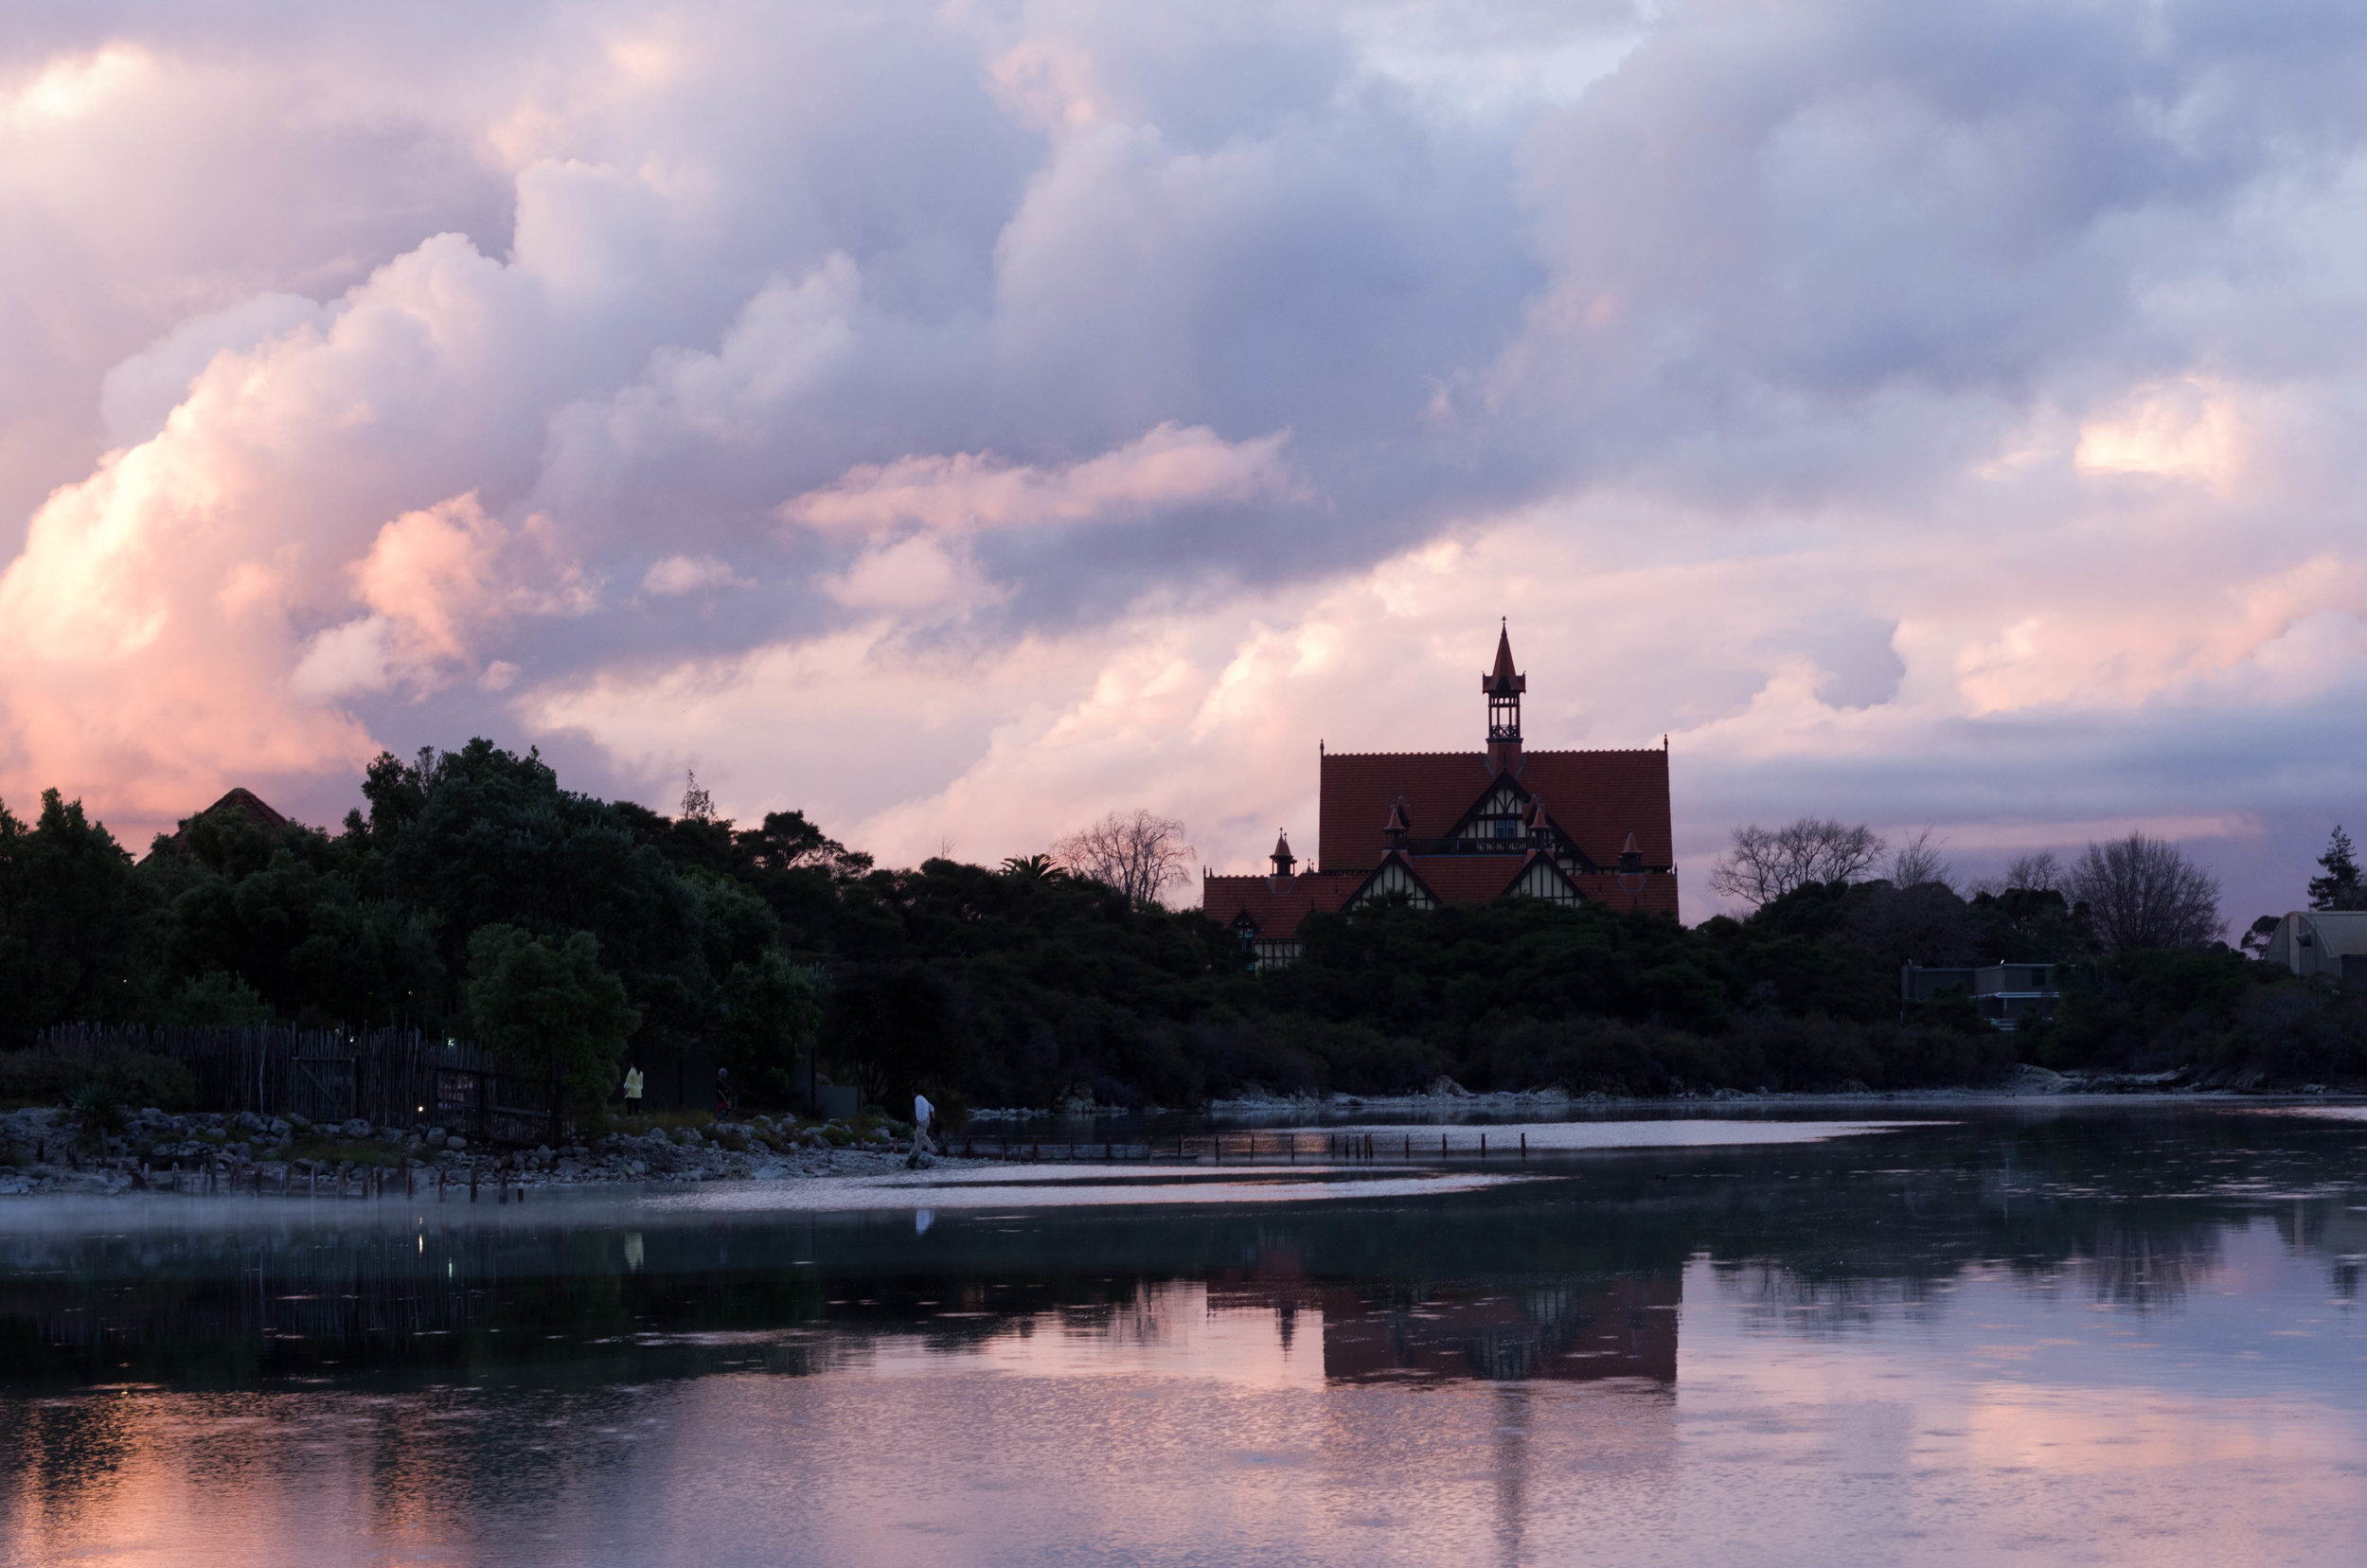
(388, 1076)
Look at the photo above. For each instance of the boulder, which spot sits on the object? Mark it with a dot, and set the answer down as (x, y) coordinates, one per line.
(2028, 1078)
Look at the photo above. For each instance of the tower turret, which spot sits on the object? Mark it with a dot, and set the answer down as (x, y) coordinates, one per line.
(1283, 859)
(1503, 687)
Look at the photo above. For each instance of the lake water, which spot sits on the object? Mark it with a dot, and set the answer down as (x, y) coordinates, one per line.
(2055, 1335)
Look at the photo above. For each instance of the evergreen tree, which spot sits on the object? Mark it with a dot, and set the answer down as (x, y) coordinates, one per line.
(2340, 888)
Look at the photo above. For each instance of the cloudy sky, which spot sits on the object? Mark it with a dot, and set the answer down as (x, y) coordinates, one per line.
(959, 418)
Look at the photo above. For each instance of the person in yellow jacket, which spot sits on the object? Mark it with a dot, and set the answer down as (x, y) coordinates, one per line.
(632, 1091)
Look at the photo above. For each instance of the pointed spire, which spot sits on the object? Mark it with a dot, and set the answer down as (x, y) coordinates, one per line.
(1394, 831)
(1504, 681)
(1283, 859)
(1538, 826)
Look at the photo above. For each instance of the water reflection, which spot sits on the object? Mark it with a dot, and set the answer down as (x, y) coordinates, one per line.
(2117, 1337)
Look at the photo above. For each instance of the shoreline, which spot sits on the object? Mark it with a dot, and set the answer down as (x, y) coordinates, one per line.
(2025, 1083)
(215, 1154)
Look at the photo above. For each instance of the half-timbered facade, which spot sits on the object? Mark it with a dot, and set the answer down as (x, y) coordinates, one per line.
(1437, 827)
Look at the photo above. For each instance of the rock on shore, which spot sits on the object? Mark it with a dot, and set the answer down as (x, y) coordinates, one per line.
(42, 1150)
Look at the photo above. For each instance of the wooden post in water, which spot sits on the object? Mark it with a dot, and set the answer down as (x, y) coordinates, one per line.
(1483, 1145)
(1442, 1146)
(1524, 1149)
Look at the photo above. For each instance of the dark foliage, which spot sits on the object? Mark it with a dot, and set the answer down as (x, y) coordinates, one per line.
(473, 876)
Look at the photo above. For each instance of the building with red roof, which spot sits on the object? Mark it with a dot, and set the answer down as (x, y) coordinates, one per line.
(1435, 828)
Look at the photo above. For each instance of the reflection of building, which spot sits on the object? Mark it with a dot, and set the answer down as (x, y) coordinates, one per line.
(1433, 827)
(2005, 994)
(2322, 941)
(1562, 1331)
(1626, 1329)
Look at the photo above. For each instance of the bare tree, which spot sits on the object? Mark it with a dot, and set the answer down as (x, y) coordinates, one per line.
(1139, 854)
(2038, 873)
(1917, 862)
(1768, 862)
(2144, 893)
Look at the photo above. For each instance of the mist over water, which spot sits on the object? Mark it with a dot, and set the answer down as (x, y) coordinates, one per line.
(2070, 1334)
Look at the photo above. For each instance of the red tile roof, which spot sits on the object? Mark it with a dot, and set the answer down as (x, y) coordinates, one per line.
(1466, 878)
(1595, 797)
(1276, 904)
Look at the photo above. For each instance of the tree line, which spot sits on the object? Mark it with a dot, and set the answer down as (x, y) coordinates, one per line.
(475, 896)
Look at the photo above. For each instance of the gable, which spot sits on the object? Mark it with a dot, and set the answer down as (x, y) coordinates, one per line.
(1542, 878)
(1498, 814)
(1394, 879)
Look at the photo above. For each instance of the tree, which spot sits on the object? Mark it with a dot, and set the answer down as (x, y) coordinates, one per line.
(773, 1010)
(2340, 888)
(1768, 862)
(2143, 892)
(1136, 852)
(69, 909)
(788, 842)
(551, 1009)
(1917, 862)
(2256, 936)
(2035, 925)
(2038, 873)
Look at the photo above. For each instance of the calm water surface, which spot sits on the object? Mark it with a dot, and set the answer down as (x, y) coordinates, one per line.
(2061, 1335)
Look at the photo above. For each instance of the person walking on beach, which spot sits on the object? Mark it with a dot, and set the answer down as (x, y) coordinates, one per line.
(924, 1112)
(632, 1090)
(723, 1091)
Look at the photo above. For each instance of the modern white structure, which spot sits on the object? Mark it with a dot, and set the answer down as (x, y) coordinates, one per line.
(2332, 942)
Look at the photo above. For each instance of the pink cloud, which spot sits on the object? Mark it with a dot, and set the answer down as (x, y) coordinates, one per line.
(1171, 466)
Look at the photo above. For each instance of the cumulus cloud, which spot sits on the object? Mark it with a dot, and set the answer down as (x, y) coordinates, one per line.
(963, 421)
(438, 582)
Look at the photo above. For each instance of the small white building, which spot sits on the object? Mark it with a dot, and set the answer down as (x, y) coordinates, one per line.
(2332, 942)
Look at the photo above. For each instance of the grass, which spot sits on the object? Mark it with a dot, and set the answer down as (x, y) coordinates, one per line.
(330, 1151)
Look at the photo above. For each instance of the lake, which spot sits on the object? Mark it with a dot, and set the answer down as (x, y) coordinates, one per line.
(1981, 1333)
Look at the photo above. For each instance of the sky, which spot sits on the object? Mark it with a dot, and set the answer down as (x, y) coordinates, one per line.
(961, 419)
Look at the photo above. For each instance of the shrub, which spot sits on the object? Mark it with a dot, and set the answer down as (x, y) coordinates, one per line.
(45, 1076)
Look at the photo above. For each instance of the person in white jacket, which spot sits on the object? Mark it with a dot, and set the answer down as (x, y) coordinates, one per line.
(924, 1112)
